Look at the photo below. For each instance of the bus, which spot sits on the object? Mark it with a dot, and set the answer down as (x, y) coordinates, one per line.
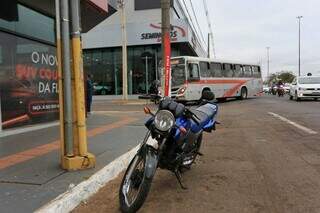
(190, 76)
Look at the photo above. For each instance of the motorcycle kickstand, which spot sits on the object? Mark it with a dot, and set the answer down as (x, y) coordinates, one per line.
(178, 176)
(199, 153)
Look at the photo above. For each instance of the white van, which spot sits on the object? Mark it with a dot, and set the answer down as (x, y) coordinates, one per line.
(305, 87)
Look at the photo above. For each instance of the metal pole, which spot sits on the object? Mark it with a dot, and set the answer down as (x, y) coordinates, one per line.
(147, 77)
(208, 45)
(60, 80)
(124, 51)
(65, 32)
(78, 78)
(166, 46)
(299, 20)
(268, 54)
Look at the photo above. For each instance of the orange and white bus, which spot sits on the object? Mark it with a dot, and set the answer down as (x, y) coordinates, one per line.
(190, 76)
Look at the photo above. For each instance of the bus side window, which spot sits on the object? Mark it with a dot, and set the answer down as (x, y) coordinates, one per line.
(247, 71)
(256, 71)
(193, 71)
(205, 69)
(216, 70)
(227, 70)
(237, 70)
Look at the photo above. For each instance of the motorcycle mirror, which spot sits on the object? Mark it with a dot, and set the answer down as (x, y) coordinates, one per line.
(147, 110)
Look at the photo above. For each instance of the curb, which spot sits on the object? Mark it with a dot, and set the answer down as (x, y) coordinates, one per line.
(69, 200)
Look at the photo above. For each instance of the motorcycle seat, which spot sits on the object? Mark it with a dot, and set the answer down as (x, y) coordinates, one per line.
(205, 113)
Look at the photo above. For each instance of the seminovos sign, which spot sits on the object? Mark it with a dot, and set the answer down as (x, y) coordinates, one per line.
(177, 33)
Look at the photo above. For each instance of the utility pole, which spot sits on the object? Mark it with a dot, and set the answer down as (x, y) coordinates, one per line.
(74, 154)
(299, 20)
(208, 45)
(268, 55)
(66, 70)
(166, 45)
(121, 6)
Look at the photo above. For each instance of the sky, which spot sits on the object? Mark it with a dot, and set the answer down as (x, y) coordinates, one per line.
(244, 28)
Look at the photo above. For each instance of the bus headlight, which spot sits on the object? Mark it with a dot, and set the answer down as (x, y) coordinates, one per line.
(164, 120)
(182, 90)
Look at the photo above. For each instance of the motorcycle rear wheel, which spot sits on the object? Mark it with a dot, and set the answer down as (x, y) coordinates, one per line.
(134, 179)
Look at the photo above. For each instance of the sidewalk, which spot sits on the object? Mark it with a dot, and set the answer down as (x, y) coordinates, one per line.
(30, 175)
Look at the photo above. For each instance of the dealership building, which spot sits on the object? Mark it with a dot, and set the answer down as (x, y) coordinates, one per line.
(28, 73)
(103, 46)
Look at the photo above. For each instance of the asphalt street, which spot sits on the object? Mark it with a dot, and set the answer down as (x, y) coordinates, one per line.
(264, 157)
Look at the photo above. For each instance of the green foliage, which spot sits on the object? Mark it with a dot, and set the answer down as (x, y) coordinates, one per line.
(284, 76)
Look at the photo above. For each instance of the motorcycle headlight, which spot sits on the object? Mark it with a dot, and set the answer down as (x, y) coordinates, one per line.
(164, 120)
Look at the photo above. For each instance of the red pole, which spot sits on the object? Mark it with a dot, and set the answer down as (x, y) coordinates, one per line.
(166, 44)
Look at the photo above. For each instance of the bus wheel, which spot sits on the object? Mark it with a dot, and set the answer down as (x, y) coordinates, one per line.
(204, 90)
(243, 93)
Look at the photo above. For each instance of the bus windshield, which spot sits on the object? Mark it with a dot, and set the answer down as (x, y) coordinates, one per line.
(178, 75)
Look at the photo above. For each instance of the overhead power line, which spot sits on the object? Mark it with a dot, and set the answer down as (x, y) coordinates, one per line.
(194, 14)
(210, 27)
(191, 20)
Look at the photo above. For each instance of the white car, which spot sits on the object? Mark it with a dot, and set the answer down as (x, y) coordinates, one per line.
(305, 87)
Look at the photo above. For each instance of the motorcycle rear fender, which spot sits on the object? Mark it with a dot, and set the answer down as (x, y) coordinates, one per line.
(209, 126)
(151, 162)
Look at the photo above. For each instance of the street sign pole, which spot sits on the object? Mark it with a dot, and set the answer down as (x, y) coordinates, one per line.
(121, 6)
(166, 44)
(147, 76)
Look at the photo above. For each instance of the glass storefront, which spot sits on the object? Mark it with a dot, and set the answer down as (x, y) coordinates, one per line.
(28, 75)
(28, 81)
(106, 67)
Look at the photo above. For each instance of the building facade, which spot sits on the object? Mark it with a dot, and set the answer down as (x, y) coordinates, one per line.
(28, 63)
(103, 51)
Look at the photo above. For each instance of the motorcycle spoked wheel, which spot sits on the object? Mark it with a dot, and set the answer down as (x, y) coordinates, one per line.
(135, 186)
(188, 161)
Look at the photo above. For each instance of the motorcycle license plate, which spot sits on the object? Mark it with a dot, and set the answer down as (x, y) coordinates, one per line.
(152, 142)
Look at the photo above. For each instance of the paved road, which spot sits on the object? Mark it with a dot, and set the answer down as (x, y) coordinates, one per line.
(265, 157)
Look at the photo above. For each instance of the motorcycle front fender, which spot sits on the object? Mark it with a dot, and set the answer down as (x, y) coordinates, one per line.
(151, 162)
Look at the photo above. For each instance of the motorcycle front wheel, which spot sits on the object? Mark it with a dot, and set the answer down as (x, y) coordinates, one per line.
(188, 161)
(134, 186)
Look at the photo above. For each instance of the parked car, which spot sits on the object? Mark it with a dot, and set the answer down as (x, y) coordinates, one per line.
(305, 87)
(100, 89)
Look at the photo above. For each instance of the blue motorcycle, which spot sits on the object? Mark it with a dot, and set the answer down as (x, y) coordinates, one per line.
(172, 142)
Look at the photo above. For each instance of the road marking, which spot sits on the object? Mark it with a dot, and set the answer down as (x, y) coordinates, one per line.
(29, 154)
(303, 128)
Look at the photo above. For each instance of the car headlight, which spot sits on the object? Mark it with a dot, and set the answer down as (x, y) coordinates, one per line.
(164, 120)
(301, 88)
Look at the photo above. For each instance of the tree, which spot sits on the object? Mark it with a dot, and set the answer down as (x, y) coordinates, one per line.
(284, 76)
